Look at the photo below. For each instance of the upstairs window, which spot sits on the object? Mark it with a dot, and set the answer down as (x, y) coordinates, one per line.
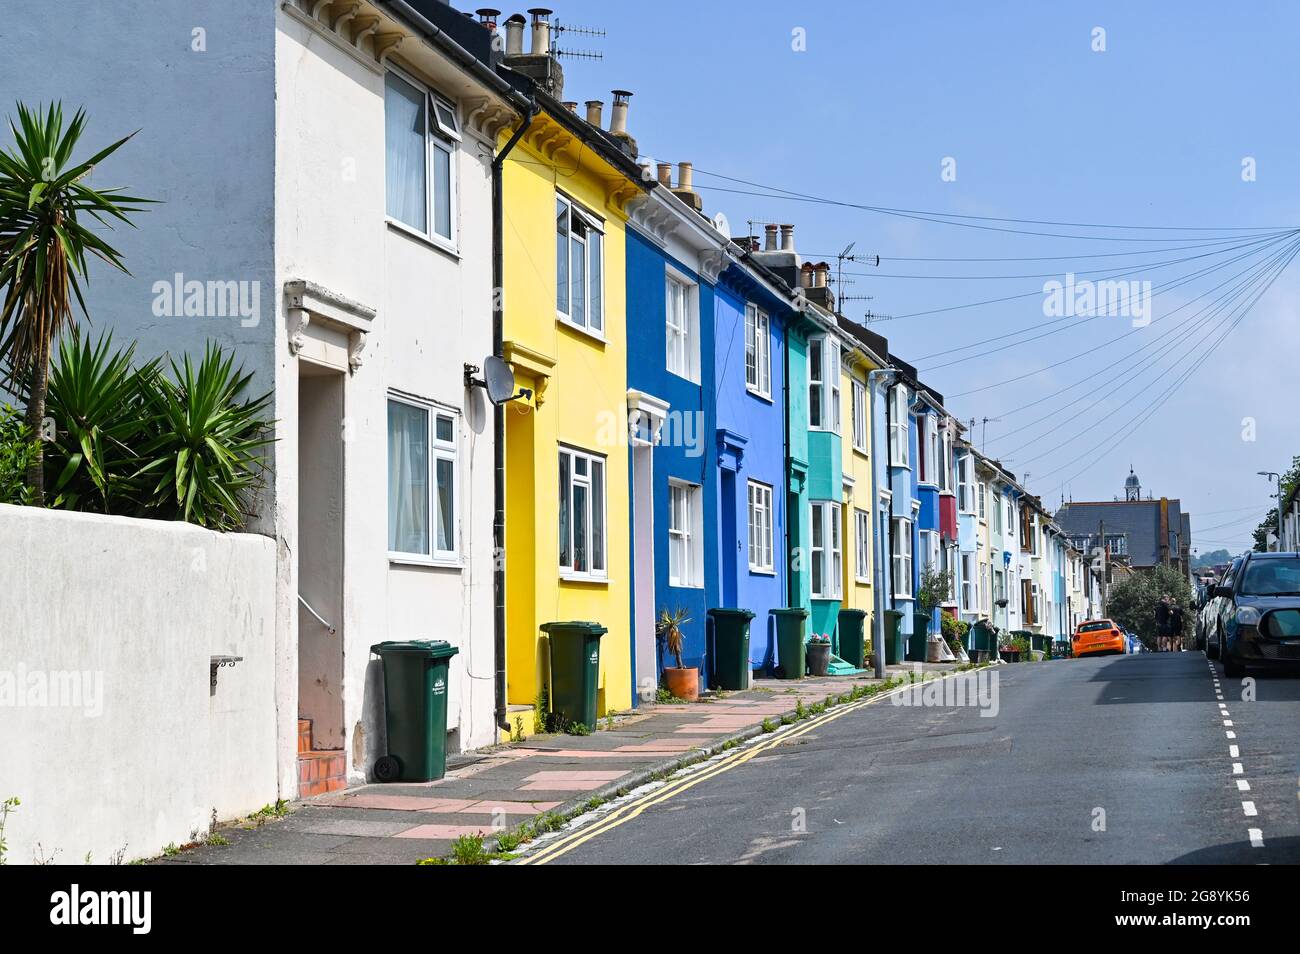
(859, 402)
(420, 136)
(899, 455)
(824, 384)
(579, 266)
(682, 338)
(758, 347)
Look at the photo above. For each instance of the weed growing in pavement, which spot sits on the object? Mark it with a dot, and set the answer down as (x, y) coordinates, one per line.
(576, 728)
(664, 697)
(593, 803)
(517, 732)
(7, 806)
(788, 719)
(216, 840)
(799, 711)
(170, 850)
(729, 744)
(768, 726)
(541, 708)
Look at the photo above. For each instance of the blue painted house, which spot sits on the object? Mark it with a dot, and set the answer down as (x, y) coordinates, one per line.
(753, 311)
(673, 258)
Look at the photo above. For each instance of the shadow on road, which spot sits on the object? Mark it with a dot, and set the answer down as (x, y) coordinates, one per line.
(1276, 851)
(1176, 677)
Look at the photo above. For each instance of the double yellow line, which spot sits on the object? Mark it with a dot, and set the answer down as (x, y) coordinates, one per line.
(630, 810)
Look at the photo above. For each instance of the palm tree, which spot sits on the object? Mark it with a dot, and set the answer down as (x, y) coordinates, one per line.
(43, 250)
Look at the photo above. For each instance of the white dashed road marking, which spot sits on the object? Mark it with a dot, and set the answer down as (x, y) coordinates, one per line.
(1249, 809)
(1256, 837)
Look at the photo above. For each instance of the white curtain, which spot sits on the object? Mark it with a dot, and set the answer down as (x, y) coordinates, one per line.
(404, 136)
(408, 478)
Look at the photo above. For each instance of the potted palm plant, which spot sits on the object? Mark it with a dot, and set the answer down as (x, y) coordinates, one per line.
(681, 681)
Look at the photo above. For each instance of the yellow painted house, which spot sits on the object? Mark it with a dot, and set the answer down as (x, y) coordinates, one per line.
(565, 189)
(859, 492)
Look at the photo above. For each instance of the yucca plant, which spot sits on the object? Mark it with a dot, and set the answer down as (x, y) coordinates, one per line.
(44, 247)
(670, 627)
(204, 461)
(98, 401)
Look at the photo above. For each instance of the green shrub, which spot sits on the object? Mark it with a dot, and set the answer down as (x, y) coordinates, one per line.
(17, 451)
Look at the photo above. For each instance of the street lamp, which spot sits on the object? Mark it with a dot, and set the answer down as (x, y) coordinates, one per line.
(1272, 475)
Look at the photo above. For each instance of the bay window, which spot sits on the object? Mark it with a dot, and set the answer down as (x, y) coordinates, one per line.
(826, 557)
(899, 455)
(900, 547)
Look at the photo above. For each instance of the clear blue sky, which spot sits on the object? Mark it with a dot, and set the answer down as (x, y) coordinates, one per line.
(1150, 132)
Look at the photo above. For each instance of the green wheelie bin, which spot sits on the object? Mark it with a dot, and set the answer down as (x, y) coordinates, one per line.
(790, 624)
(893, 637)
(916, 648)
(415, 709)
(730, 647)
(575, 670)
(852, 639)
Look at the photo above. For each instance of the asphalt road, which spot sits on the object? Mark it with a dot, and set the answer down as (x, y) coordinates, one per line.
(1089, 761)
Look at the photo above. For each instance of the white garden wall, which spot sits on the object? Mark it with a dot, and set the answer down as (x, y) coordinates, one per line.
(109, 731)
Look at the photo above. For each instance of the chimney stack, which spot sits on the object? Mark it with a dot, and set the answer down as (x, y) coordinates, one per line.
(787, 238)
(541, 32)
(769, 238)
(594, 107)
(665, 173)
(515, 35)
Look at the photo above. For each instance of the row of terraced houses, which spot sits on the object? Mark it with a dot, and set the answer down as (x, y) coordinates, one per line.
(694, 424)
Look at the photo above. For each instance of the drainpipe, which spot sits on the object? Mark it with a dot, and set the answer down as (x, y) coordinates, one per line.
(885, 376)
(785, 425)
(499, 429)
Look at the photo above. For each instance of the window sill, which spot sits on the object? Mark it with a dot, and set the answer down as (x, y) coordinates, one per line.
(580, 329)
(685, 586)
(861, 451)
(683, 377)
(451, 563)
(755, 393)
(862, 581)
(761, 571)
(584, 578)
(432, 241)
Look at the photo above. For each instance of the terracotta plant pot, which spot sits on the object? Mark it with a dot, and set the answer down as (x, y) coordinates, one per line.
(683, 683)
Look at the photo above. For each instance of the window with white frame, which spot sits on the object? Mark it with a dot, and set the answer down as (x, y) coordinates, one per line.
(582, 514)
(929, 549)
(862, 548)
(758, 356)
(945, 463)
(928, 432)
(986, 589)
(579, 266)
(982, 491)
(681, 328)
(760, 527)
(999, 585)
(966, 495)
(824, 383)
(860, 409)
(900, 547)
(420, 136)
(899, 455)
(968, 583)
(423, 524)
(685, 540)
(826, 556)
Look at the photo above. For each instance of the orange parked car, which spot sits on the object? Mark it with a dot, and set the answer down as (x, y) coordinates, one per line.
(1099, 636)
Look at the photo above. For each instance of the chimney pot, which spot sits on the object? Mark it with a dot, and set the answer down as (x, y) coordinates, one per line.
(821, 273)
(769, 238)
(665, 170)
(594, 107)
(571, 106)
(541, 31)
(515, 35)
(685, 176)
(488, 18)
(618, 112)
(806, 275)
(787, 238)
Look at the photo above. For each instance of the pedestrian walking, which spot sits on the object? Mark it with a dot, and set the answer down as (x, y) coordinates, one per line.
(1176, 626)
(1162, 624)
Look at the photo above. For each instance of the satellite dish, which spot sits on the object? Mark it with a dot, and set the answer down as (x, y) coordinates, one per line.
(721, 224)
(499, 379)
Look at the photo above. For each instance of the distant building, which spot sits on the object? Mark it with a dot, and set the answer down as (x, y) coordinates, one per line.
(1148, 531)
